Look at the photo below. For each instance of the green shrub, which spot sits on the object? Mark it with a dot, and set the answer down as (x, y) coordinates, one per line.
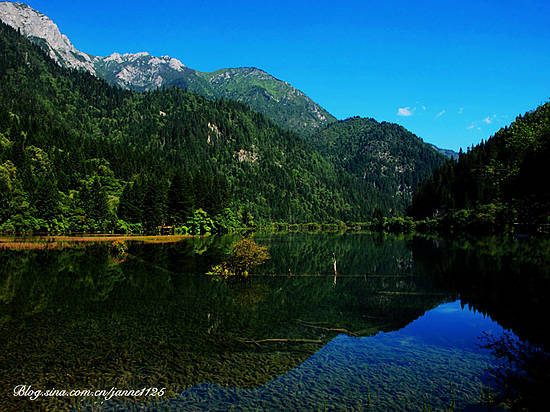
(245, 256)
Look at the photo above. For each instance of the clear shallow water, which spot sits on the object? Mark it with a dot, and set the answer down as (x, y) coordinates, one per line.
(434, 361)
(83, 318)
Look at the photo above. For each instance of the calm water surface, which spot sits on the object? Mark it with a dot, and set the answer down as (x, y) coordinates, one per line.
(402, 326)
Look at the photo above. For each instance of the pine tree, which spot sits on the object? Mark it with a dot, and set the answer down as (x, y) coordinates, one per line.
(180, 199)
(45, 199)
(131, 202)
(99, 202)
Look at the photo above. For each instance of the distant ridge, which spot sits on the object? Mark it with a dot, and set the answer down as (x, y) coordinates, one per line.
(447, 152)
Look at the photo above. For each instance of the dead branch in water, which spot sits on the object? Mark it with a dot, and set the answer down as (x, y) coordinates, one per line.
(280, 340)
(335, 272)
(392, 293)
(314, 326)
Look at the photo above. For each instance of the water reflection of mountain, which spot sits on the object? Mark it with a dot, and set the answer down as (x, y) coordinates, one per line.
(77, 318)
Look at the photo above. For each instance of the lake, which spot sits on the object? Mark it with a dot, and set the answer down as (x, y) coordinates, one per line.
(408, 323)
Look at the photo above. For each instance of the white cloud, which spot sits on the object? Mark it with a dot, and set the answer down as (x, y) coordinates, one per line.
(489, 119)
(470, 127)
(461, 110)
(441, 113)
(405, 111)
(423, 107)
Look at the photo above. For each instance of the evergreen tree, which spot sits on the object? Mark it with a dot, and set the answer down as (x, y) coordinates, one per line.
(180, 199)
(45, 198)
(99, 202)
(131, 202)
(154, 204)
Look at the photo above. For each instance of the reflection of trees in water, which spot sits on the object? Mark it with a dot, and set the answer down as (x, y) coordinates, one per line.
(523, 376)
(508, 280)
(303, 253)
(505, 278)
(76, 318)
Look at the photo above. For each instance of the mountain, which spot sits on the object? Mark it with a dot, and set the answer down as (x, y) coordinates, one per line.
(282, 103)
(501, 179)
(78, 154)
(285, 105)
(140, 71)
(42, 31)
(278, 100)
(385, 155)
(382, 162)
(447, 152)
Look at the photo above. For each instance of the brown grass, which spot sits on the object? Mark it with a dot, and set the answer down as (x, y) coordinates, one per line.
(56, 242)
(15, 245)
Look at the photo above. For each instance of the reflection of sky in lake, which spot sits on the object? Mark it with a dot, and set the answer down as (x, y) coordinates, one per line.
(448, 325)
(432, 362)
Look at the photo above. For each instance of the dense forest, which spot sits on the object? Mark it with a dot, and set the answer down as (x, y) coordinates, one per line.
(77, 154)
(384, 155)
(498, 182)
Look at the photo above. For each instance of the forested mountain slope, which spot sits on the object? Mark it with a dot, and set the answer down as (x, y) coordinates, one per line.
(384, 155)
(506, 175)
(79, 154)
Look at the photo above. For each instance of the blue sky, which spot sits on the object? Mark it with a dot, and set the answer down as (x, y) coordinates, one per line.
(451, 72)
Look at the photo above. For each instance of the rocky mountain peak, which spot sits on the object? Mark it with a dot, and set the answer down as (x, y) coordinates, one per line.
(40, 29)
(140, 71)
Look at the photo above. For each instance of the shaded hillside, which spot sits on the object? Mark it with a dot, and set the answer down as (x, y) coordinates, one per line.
(384, 155)
(504, 176)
